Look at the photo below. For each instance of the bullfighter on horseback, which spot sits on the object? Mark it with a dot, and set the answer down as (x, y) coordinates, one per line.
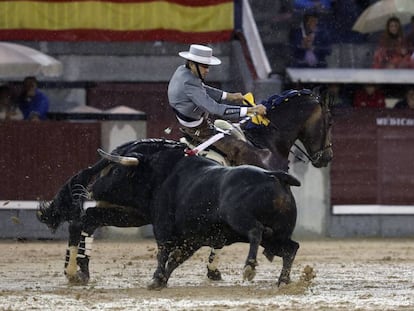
(193, 102)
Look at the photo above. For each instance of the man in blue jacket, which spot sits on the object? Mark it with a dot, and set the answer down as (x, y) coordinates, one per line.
(193, 102)
(32, 102)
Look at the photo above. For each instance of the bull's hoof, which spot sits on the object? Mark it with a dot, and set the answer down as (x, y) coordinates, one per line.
(283, 281)
(79, 278)
(157, 284)
(214, 275)
(248, 273)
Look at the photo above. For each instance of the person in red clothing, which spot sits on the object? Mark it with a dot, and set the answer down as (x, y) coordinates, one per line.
(392, 50)
(369, 96)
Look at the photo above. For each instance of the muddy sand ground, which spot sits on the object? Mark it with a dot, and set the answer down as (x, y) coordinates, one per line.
(368, 274)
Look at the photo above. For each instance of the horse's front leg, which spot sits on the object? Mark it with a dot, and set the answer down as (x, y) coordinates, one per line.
(71, 266)
(255, 238)
(213, 273)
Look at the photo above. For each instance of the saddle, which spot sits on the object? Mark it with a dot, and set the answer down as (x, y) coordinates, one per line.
(211, 152)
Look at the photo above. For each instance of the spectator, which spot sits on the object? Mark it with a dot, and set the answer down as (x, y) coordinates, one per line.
(410, 37)
(310, 46)
(392, 50)
(336, 97)
(33, 103)
(408, 101)
(8, 111)
(369, 96)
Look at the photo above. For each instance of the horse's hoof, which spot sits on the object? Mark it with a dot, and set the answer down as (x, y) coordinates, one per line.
(79, 278)
(156, 284)
(248, 273)
(214, 275)
(83, 278)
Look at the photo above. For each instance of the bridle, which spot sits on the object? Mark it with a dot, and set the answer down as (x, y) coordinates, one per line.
(318, 154)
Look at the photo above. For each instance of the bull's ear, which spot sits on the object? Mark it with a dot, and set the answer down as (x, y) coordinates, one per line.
(123, 160)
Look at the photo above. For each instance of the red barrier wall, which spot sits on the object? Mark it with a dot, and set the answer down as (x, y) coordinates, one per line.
(36, 158)
(373, 157)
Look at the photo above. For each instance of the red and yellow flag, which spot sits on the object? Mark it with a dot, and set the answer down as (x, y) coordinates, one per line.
(117, 20)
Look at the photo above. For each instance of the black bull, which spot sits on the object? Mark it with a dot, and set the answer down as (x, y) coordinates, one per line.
(204, 204)
(168, 189)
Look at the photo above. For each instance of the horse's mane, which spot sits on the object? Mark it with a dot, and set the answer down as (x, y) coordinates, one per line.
(148, 146)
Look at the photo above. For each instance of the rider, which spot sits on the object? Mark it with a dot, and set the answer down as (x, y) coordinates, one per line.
(193, 101)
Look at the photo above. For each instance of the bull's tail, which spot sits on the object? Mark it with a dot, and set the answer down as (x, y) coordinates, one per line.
(68, 203)
(286, 178)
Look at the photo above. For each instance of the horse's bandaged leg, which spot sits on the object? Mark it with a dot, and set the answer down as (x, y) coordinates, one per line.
(213, 259)
(85, 245)
(70, 263)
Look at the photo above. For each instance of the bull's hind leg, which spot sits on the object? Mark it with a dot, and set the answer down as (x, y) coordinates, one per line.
(288, 254)
(287, 250)
(255, 238)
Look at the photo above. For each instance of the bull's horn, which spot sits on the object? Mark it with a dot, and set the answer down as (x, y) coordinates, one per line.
(123, 160)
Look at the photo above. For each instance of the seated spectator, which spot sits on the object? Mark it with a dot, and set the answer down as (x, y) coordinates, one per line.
(309, 45)
(408, 101)
(392, 50)
(410, 38)
(8, 111)
(336, 97)
(33, 103)
(369, 96)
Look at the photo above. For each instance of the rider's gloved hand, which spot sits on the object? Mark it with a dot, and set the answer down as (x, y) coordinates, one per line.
(235, 97)
(259, 109)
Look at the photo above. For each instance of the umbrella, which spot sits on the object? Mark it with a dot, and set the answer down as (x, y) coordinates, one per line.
(19, 61)
(374, 18)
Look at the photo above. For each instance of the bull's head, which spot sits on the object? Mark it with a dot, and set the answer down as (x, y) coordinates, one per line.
(48, 215)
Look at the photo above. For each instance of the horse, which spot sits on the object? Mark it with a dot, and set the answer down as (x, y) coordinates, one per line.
(293, 115)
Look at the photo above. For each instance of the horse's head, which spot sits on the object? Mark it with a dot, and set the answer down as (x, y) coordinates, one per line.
(316, 132)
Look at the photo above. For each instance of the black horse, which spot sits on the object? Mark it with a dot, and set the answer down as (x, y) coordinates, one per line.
(293, 115)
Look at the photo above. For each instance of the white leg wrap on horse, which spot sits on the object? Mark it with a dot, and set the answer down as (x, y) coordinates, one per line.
(85, 245)
(213, 260)
(72, 266)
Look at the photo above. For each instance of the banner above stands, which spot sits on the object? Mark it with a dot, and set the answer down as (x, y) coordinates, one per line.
(183, 21)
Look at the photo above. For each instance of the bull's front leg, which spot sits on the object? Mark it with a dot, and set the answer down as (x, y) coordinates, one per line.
(159, 279)
(255, 238)
(213, 273)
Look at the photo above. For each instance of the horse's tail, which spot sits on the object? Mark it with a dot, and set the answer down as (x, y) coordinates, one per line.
(67, 204)
(285, 177)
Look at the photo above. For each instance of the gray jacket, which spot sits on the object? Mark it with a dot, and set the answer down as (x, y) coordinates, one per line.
(195, 100)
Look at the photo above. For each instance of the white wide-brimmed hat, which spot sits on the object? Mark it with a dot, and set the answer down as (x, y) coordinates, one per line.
(200, 54)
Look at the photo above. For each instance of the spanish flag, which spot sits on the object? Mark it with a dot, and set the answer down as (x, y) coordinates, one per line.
(117, 20)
